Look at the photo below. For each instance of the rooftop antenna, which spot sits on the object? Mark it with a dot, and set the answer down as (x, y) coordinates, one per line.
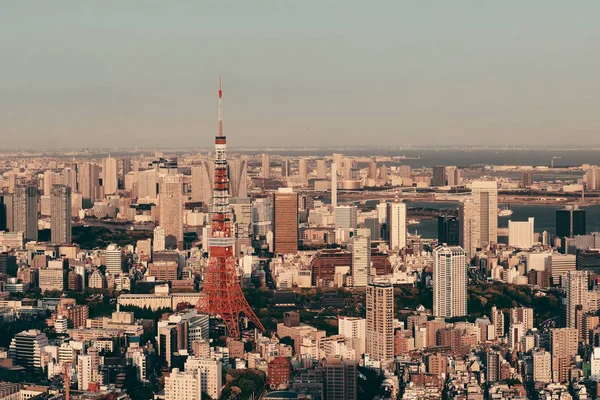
(220, 106)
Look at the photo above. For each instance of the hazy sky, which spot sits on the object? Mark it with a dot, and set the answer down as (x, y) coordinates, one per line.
(120, 73)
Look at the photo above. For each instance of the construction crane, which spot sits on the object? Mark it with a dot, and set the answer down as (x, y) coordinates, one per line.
(552, 161)
(66, 373)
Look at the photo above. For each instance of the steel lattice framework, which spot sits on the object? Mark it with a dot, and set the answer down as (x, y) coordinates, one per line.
(222, 293)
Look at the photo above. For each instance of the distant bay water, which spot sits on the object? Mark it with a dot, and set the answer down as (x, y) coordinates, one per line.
(544, 217)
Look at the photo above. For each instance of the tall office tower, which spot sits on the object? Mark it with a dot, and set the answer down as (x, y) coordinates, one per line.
(302, 169)
(354, 329)
(60, 225)
(89, 181)
(242, 221)
(285, 221)
(485, 200)
(51, 178)
(110, 180)
(347, 166)
(346, 216)
(542, 366)
(449, 282)
(439, 176)
(380, 321)
(114, 260)
(396, 225)
(361, 261)
(564, 342)
(25, 202)
(498, 321)
(26, 349)
(6, 212)
(262, 216)
(69, 178)
(171, 210)
(158, 243)
(466, 210)
(339, 379)
(576, 285)
(285, 168)
(448, 230)
(373, 172)
(382, 212)
(570, 222)
(266, 166)
(197, 181)
(521, 234)
(453, 176)
(592, 177)
(238, 177)
(321, 169)
(181, 385)
(372, 224)
(383, 173)
(334, 176)
(222, 294)
(526, 179)
(147, 184)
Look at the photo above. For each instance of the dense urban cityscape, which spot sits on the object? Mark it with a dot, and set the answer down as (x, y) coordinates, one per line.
(226, 276)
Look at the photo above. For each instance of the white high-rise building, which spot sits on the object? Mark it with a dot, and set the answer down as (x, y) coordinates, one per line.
(27, 347)
(354, 329)
(380, 321)
(382, 212)
(238, 177)
(396, 225)
(479, 217)
(147, 181)
(266, 166)
(302, 169)
(449, 282)
(182, 386)
(110, 180)
(85, 373)
(158, 244)
(576, 286)
(334, 185)
(321, 169)
(209, 374)
(361, 261)
(114, 260)
(521, 234)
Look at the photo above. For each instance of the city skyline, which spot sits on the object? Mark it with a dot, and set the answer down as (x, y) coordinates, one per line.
(297, 73)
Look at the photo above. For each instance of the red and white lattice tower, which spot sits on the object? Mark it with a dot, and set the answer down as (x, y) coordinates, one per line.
(222, 294)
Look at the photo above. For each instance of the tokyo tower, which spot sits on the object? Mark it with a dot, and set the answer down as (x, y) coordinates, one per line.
(222, 294)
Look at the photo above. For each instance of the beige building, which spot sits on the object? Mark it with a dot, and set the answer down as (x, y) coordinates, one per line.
(110, 180)
(449, 282)
(171, 209)
(564, 349)
(60, 225)
(380, 321)
(182, 386)
(52, 279)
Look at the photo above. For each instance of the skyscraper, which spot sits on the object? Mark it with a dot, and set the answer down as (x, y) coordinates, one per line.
(321, 169)
(576, 285)
(479, 217)
(380, 321)
(25, 202)
(439, 176)
(570, 222)
(285, 168)
(302, 169)
(266, 166)
(526, 179)
(238, 176)
(346, 216)
(110, 180)
(449, 282)
(262, 216)
(448, 230)
(285, 221)
(361, 261)
(197, 181)
(334, 185)
(89, 181)
(171, 209)
(521, 233)
(60, 225)
(564, 343)
(396, 225)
